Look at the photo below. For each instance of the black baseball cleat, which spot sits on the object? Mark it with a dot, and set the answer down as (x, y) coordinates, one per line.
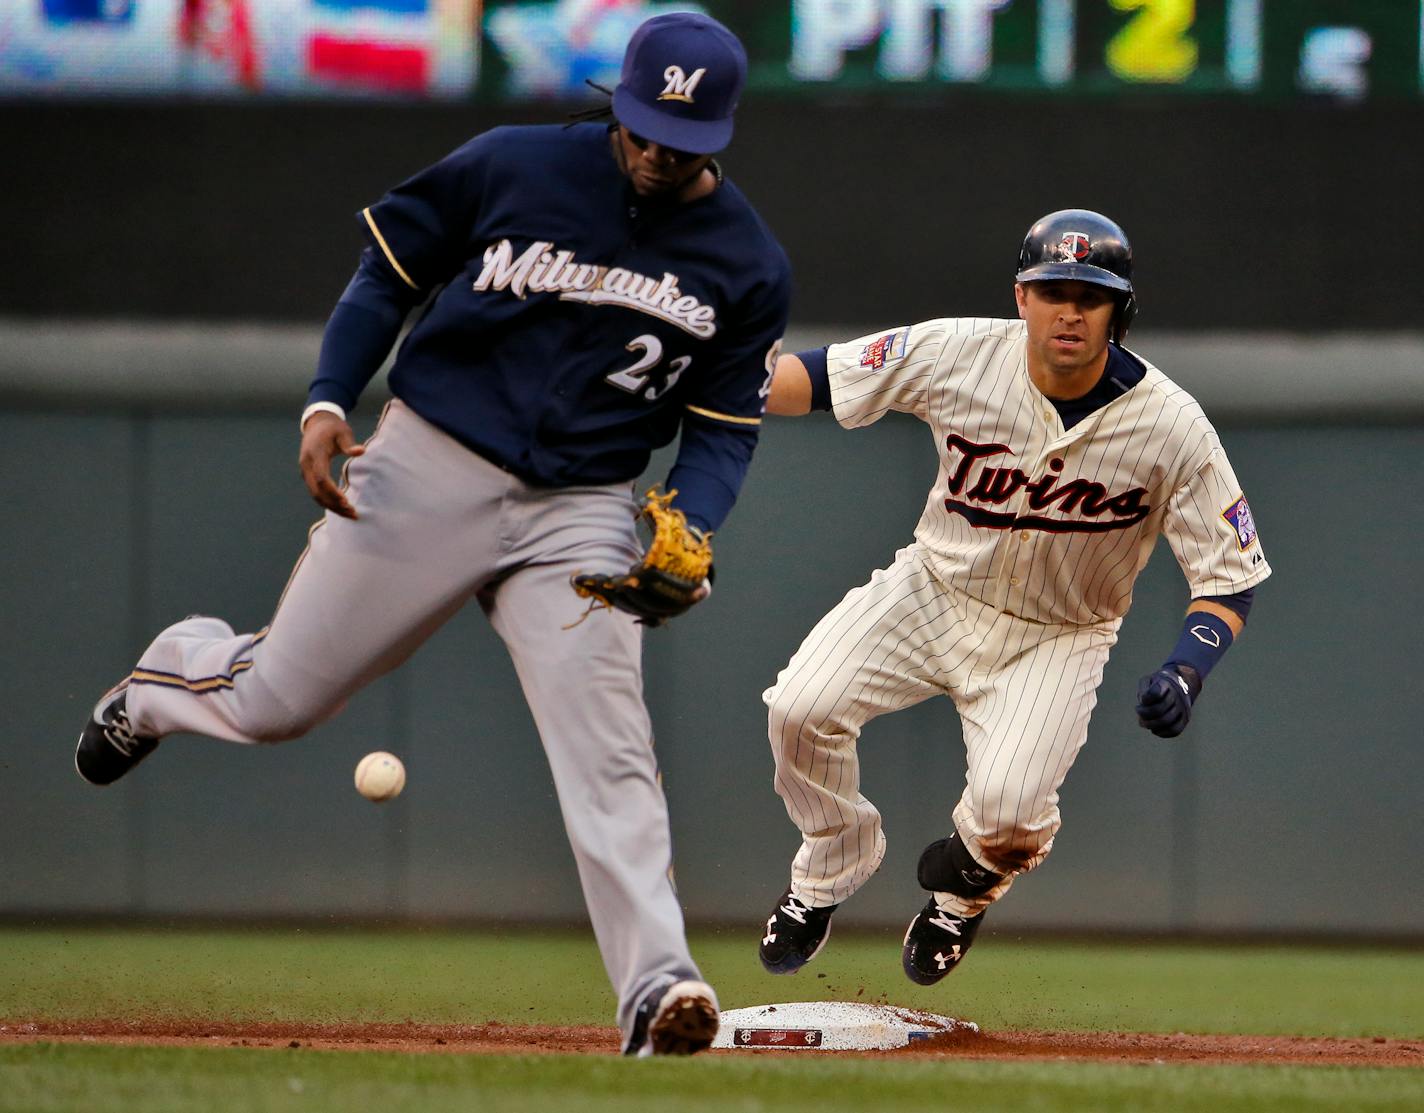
(677, 1019)
(795, 934)
(936, 942)
(109, 748)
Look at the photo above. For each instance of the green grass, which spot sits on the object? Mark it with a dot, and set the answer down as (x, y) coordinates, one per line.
(556, 978)
(513, 976)
(50, 1078)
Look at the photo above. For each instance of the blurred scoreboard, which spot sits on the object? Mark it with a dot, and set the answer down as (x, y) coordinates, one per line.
(513, 49)
(402, 48)
(1280, 48)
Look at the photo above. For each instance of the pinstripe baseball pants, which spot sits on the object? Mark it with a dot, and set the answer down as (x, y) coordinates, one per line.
(1024, 692)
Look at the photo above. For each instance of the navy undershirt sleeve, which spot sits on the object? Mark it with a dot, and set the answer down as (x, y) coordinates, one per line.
(712, 462)
(1239, 603)
(359, 334)
(815, 361)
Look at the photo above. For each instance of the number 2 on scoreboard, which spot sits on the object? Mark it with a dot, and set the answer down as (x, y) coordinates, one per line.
(1156, 44)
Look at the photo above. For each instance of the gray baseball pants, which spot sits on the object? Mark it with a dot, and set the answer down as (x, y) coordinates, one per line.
(439, 524)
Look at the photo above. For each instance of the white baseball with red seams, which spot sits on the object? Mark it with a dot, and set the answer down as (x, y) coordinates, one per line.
(380, 776)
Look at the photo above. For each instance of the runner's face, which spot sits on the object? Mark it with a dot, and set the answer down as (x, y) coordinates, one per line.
(1068, 322)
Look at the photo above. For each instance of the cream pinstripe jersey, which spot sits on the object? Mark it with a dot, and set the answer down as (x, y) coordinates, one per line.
(1048, 524)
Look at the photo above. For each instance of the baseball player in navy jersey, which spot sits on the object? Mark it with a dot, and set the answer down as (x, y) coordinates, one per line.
(589, 293)
(1063, 456)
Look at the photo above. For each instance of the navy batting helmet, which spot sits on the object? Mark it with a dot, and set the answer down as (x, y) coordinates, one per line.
(1083, 246)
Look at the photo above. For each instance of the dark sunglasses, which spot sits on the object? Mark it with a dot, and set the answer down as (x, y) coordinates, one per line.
(671, 152)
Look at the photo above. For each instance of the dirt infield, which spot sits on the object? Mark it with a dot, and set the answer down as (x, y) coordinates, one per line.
(495, 1039)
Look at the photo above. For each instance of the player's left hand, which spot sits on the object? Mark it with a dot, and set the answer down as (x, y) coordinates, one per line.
(673, 575)
(1164, 700)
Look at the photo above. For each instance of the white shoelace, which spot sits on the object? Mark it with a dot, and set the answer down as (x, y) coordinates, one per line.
(120, 735)
(948, 923)
(796, 910)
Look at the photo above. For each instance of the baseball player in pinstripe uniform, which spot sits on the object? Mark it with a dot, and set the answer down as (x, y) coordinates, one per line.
(1063, 456)
(590, 294)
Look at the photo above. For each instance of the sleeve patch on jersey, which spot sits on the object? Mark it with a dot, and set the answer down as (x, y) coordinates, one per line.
(878, 353)
(1238, 517)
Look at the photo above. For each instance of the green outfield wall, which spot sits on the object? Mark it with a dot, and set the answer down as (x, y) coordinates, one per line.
(1289, 806)
(168, 266)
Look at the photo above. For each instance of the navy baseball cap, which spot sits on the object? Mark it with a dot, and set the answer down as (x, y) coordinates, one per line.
(682, 76)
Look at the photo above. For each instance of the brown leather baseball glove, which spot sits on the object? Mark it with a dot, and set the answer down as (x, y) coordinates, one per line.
(669, 577)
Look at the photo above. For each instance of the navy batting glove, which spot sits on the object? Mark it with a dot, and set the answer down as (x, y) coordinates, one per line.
(1164, 699)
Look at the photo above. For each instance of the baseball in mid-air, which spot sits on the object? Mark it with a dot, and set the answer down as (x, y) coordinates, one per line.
(380, 776)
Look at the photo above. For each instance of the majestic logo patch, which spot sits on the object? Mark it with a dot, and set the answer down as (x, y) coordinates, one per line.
(1238, 517)
(542, 268)
(1074, 247)
(979, 486)
(878, 353)
(680, 86)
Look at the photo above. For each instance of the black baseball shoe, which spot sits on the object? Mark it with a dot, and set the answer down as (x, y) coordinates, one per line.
(795, 934)
(109, 748)
(677, 1019)
(936, 942)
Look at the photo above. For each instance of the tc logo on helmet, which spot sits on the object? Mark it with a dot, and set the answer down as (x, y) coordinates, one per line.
(680, 86)
(1074, 247)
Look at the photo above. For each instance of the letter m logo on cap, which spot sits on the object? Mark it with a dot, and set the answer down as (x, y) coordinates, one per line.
(680, 86)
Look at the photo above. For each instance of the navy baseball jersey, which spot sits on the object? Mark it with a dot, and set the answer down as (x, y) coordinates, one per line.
(576, 324)
(567, 327)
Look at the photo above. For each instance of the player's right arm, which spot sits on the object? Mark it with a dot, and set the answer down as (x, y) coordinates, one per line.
(417, 237)
(861, 380)
(790, 388)
(358, 336)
